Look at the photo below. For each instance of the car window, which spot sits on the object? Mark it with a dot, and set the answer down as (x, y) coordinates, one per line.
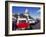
(22, 20)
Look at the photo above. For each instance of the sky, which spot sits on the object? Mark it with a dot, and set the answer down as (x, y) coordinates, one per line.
(33, 11)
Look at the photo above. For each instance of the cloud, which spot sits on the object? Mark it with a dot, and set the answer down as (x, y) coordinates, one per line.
(38, 11)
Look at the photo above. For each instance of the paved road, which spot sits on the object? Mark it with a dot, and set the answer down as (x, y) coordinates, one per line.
(36, 26)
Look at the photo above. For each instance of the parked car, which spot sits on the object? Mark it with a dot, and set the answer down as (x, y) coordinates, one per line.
(31, 21)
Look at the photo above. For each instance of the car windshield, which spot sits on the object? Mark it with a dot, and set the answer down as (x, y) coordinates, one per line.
(22, 20)
(30, 20)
